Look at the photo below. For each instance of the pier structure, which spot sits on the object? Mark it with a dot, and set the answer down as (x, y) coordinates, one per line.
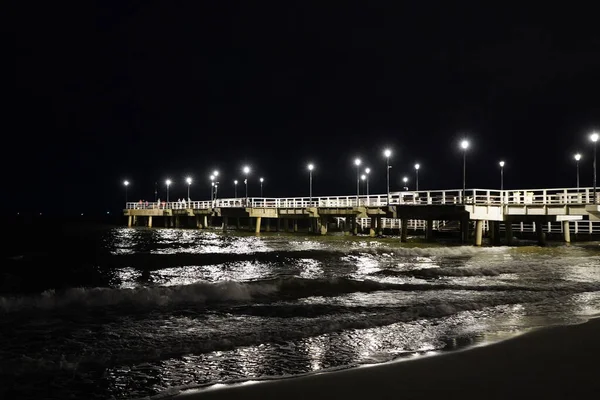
(479, 211)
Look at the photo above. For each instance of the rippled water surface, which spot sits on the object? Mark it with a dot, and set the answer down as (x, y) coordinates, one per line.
(129, 313)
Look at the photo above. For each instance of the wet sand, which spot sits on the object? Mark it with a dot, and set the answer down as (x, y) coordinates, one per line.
(551, 363)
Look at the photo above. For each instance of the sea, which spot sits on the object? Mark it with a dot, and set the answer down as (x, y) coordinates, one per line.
(101, 311)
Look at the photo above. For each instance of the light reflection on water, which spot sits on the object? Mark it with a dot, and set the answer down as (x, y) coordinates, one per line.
(297, 304)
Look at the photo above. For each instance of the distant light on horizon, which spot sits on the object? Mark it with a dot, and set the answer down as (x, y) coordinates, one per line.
(387, 153)
(464, 144)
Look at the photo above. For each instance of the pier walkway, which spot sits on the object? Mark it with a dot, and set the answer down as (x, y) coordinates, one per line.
(487, 210)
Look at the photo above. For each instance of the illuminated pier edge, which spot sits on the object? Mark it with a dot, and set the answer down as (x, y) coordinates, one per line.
(479, 211)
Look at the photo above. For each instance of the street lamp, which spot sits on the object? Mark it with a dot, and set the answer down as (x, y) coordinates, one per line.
(168, 182)
(261, 184)
(357, 163)
(464, 145)
(594, 138)
(189, 182)
(501, 163)
(577, 159)
(212, 187)
(246, 170)
(126, 183)
(405, 180)
(417, 167)
(367, 171)
(363, 177)
(235, 189)
(387, 153)
(310, 170)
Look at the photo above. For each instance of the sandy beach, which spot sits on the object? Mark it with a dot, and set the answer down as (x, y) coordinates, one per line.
(551, 363)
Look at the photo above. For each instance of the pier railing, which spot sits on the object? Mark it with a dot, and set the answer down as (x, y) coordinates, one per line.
(430, 197)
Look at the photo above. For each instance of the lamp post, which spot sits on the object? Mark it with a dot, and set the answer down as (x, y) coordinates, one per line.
(261, 185)
(417, 167)
(501, 163)
(594, 138)
(367, 172)
(577, 159)
(387, 153)
(126, 183)
(235, 189)
(212, 188)
(464, 145)
(246, 170)
(405, 180)
(363, 178)
(357, 163)
(168, 182)
(310, 170)
(189, 182)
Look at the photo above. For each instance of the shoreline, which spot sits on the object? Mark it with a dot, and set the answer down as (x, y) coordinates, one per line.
(558, 362)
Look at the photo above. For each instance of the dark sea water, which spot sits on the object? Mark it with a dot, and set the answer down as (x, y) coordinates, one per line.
(97, 311)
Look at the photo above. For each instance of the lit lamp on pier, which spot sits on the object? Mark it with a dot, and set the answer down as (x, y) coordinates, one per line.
(261, 186)
(464, 145)
(235, 182)
(594, 138)
(246, 170)
(577, 159)
(212, 187)
(357, 163)
(417, 168)
(367, 172)
(310, 170)
(501, 163)
(168, 183)
(405, 180)
(188, 180)
(126, 184)
(387, 153)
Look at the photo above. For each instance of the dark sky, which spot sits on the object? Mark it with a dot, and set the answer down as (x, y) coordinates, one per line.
(151, 90)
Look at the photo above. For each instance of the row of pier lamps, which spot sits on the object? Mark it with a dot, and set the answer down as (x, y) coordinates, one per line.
(464, 144)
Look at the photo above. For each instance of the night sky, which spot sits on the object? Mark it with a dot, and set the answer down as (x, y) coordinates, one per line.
(151, 90)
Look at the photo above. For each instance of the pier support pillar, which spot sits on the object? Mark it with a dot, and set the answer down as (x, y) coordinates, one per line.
(495, 232)
(567, 231)
(295, 225)
(429, 230)
(464, 230)
(198, 222)
(541, 236)
(225, 223)
(373, 227)
(268, 225)
(509, 233)
(129, 220)
(177, 221)
(258, 220)
(150, 221)
(354, 226)
(135, 220)
(171, 221)
(478, 232)
(286, 224)
(323, 225)
(379, 223)
(403, 229)
(205, 224)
